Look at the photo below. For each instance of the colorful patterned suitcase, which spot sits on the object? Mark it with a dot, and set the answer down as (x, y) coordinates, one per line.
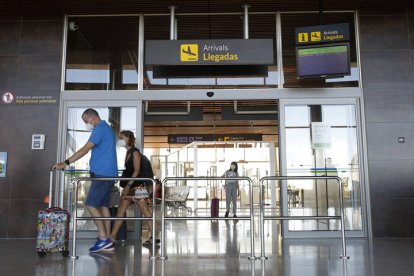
(52, 231)
(52, 228)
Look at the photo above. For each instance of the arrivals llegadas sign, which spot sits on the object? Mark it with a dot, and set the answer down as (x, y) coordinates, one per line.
(209, 52)
(322, 34)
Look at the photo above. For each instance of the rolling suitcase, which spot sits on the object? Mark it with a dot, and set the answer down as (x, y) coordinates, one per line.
(52, 228)
(214, 207)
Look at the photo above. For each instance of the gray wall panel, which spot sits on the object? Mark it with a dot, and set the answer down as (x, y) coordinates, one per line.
(8, 71)
(389, 103)
(41, 37)
(4, 217)
(387, 66)
(36, 72)
(383, 141)
(10, 38)
(389, 184)
(387, 26)
(23, 218)
(393, 217)
(39, 71)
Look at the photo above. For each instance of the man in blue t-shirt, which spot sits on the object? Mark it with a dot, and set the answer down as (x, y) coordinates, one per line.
(103, 163)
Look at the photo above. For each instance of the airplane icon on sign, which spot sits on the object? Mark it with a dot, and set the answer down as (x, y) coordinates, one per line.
(188, 52)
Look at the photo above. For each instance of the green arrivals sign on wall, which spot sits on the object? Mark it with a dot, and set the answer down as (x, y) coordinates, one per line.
(209, 52)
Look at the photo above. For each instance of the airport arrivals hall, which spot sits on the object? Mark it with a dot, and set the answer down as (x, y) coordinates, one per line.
(205, 137)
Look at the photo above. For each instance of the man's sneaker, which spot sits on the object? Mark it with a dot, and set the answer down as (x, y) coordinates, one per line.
(109, 248)
(100, 245)
(226, 215)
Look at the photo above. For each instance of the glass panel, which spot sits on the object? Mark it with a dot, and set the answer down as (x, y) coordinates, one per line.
(213, 159)
(338, 158)
(339, 115)
(119, 118)
(212, 27)
(101, 53)
(292, 21)
(297, 116)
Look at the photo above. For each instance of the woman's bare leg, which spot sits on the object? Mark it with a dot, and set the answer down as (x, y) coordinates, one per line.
(146, 211)
(123, 206)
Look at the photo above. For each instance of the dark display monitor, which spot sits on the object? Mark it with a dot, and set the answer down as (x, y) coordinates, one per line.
(323, 61)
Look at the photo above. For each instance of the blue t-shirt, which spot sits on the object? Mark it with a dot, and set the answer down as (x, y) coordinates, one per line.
(103, 160)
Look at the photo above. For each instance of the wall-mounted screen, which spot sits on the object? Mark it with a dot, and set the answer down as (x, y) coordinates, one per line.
(323, 61)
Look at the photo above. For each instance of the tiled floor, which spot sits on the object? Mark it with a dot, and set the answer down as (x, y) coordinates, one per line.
(217, 248)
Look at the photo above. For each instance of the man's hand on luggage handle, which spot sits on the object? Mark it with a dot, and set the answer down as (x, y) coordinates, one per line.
(59, 166)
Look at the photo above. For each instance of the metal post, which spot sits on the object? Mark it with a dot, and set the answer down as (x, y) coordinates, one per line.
(246, 21)
(283, 217)
(261, 222)
(75, 216)
(252, 256)
(141, 46)
(153, 222)
(75, 221)
(341, 207)
(172, 22)
(175, 29)
(177, 179)
(163, 257)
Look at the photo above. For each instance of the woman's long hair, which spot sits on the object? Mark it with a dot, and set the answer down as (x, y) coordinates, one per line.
(234, 163)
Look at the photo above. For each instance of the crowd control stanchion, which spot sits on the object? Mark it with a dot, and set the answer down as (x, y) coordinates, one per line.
(75, 212)
(281, 218)
(164, 218)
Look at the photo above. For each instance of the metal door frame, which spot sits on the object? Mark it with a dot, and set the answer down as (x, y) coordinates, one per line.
(83, 102)
(283, 167)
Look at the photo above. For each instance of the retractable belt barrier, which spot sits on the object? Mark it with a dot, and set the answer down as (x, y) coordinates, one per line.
(76, 219)
(164, 218)
(263, 217)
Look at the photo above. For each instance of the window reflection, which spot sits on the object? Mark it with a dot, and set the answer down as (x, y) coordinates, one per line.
(102, 53)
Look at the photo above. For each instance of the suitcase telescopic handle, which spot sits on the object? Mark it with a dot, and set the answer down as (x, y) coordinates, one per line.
(50, 187)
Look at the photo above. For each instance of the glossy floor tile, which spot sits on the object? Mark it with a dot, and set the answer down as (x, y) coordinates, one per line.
(218, 248)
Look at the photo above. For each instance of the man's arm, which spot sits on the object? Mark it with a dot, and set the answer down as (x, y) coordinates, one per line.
(76, 156)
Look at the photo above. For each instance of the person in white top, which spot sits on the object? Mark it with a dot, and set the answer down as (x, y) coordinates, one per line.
(232, 189)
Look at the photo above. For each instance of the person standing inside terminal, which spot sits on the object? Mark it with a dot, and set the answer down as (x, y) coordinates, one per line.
(232, 189)
(103, 163)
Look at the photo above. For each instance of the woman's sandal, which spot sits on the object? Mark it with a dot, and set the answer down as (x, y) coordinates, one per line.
(149, 241)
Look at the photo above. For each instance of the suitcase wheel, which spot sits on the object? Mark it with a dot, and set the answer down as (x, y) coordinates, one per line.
(41, 254)
(65, 253)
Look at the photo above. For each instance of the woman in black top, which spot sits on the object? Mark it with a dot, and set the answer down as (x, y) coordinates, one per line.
(136, 165)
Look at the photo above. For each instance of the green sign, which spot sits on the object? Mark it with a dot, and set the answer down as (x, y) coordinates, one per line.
(322, 51)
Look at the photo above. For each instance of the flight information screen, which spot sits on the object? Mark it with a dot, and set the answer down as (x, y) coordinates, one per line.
(323, 61)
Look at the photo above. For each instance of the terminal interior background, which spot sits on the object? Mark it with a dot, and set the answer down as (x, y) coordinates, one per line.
(98, 64)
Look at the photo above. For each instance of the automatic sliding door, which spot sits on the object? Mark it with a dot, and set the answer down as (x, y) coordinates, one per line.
(321, 140)
(119, 118)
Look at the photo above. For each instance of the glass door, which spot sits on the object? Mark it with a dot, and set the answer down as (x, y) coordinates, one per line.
(120, 116)
(320, 138)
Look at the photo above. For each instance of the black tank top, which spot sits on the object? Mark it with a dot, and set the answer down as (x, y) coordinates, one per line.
(145, 170)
